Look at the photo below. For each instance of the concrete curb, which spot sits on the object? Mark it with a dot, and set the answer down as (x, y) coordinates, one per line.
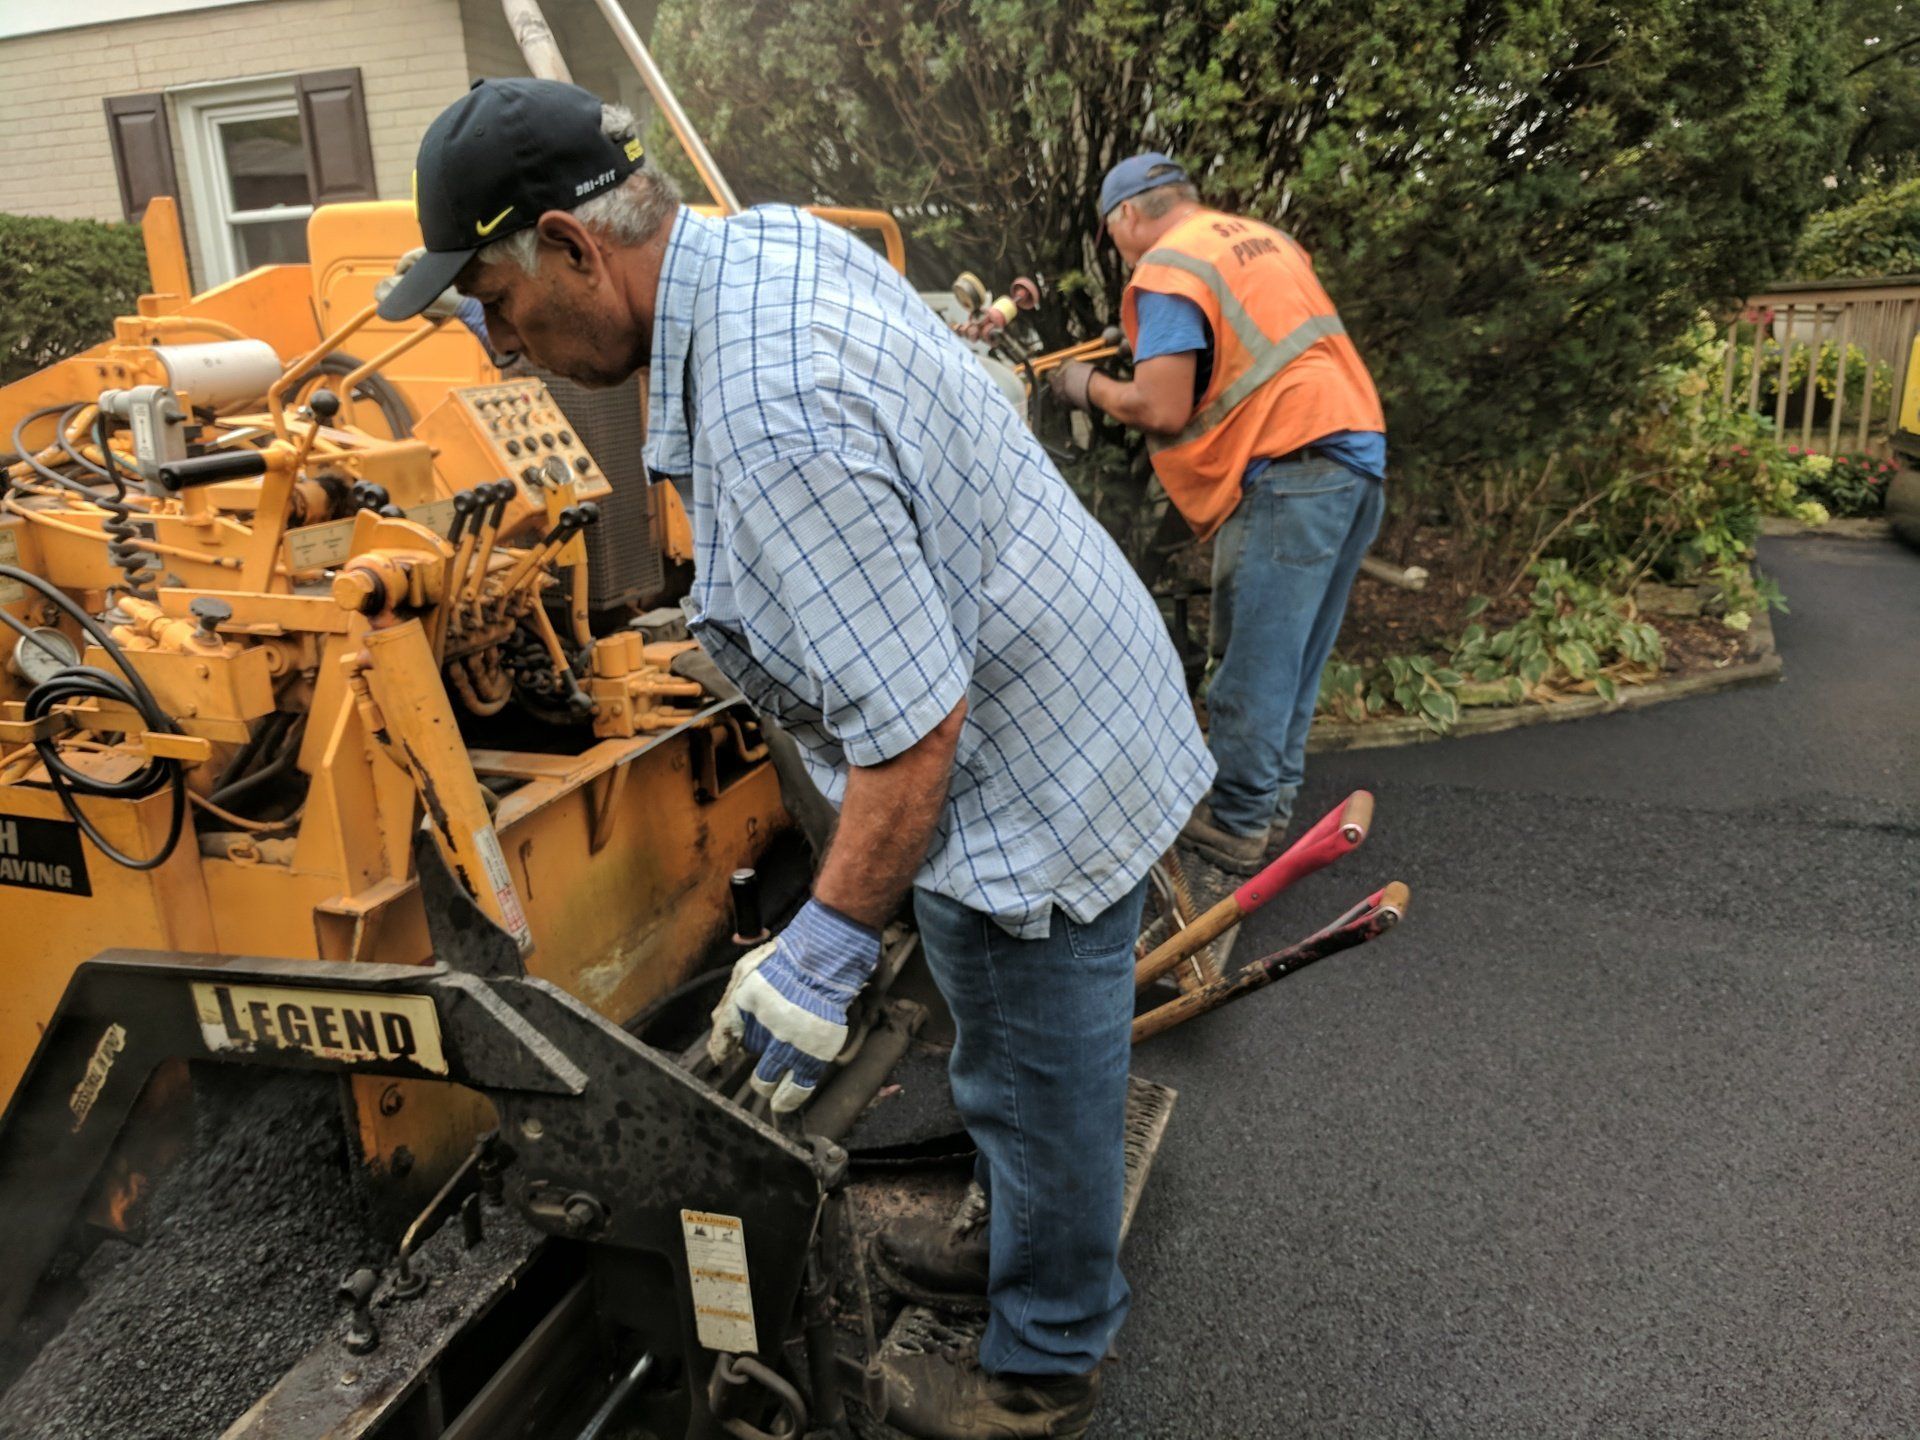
(1858, 527)
(1761, 665)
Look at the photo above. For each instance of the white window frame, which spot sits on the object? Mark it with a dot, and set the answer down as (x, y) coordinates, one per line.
(201, 109)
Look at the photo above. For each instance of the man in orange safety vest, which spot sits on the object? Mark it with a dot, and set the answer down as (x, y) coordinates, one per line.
(1266, 432)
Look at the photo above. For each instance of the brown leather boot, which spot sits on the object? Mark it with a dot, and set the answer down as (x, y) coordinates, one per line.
(936, 1390)
(940, 1262)
(1235, 853)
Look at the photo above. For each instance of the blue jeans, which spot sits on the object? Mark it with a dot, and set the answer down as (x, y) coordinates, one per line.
(1039, 1073)
(1282, 566)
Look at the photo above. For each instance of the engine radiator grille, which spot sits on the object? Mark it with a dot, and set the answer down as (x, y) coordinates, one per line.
(623, 550)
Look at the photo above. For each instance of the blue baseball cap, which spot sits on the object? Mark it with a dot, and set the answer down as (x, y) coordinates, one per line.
(1136, 175)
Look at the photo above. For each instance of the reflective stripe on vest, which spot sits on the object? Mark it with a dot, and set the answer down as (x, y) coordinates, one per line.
(1268, 356)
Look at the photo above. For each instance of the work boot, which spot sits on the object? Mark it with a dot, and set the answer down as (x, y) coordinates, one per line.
(941, 1262)
(1236, 854)
(936, 1390)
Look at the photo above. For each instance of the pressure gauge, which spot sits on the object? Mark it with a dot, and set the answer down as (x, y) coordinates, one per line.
(41, 653)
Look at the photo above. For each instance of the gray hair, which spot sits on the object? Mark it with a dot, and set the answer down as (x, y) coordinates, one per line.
(1154, 203)
(627, 214)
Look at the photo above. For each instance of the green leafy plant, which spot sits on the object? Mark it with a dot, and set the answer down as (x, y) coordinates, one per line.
(61, 284)
(1575, 637)
(1678, 492)
(1416, 685)
(1878, 234)
(1845, 484)
(1867, 383)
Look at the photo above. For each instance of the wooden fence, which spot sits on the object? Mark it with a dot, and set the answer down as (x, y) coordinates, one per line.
(1827, 359)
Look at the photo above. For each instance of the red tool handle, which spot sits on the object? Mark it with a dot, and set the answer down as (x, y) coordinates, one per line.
(1339, 831)
(1368, 920)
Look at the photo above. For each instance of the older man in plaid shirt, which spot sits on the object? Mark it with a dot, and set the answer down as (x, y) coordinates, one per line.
(888, 564)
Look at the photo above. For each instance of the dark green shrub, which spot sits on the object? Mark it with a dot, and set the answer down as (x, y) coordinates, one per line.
(1878, 234)
(1518, 207)
(61, 284)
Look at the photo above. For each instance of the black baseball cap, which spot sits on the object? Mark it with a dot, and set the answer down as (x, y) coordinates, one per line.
(492, 163)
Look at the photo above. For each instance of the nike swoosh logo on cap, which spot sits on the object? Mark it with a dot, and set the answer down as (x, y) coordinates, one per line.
(493, 224)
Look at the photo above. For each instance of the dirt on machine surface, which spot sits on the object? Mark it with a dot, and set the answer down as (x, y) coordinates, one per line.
(249, 1237)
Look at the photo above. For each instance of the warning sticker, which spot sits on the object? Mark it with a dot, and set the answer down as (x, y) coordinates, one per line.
(322, 547)
(43, 855)
(722, 1296)
(331, 1024)
(501, 880)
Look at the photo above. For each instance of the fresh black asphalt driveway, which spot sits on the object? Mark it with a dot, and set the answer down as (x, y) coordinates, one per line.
(1619, 1133)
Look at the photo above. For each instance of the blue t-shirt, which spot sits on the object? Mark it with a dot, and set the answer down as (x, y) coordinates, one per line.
(1174, 325)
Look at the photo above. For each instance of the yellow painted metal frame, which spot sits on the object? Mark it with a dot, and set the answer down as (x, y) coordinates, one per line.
(617, 854)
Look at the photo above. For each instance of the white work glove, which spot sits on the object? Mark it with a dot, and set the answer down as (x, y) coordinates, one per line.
(1069, 383)
(787, 1002)
(444, 306)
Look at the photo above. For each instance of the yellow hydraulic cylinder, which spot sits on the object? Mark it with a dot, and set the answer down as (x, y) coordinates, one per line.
(415, 721)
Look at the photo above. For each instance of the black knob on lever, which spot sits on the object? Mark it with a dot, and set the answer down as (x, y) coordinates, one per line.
(175, 475)
(748, 926)
(209, 613)
(323, 405)
(464, 504)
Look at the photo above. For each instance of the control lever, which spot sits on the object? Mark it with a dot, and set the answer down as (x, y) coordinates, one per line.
(495, 497)
(177, 475)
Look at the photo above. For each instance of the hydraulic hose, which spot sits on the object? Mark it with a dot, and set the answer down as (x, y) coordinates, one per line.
(139, 566)
(39, 467)
(382, 391)
(81, 682)
(66, 445)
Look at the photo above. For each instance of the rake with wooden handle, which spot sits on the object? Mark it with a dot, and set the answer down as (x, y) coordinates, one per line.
(1339, 831)
(1371, 918)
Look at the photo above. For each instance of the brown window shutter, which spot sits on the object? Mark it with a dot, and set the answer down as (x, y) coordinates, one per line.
(333, 121)
(142, 149)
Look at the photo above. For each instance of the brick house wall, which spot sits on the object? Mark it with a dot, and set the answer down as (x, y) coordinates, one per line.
(413, 56)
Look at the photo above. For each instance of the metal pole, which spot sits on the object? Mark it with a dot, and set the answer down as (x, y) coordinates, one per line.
(603, 1417)
(663, 96)
(535, 38)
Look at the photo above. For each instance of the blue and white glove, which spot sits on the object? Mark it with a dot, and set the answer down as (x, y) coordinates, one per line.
(787, 1002)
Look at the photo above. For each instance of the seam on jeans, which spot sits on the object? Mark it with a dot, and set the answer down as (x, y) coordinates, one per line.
(1019, 1131)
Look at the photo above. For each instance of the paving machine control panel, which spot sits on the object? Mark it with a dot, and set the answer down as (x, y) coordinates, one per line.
(530, 437)
(514, 430)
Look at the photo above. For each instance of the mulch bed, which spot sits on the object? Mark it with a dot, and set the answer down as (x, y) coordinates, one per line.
(1383, 619)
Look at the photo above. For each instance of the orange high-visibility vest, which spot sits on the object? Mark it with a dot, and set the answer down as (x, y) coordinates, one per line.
(1284, 372)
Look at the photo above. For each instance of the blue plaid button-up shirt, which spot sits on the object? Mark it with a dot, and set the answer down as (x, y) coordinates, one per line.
(877, 536)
